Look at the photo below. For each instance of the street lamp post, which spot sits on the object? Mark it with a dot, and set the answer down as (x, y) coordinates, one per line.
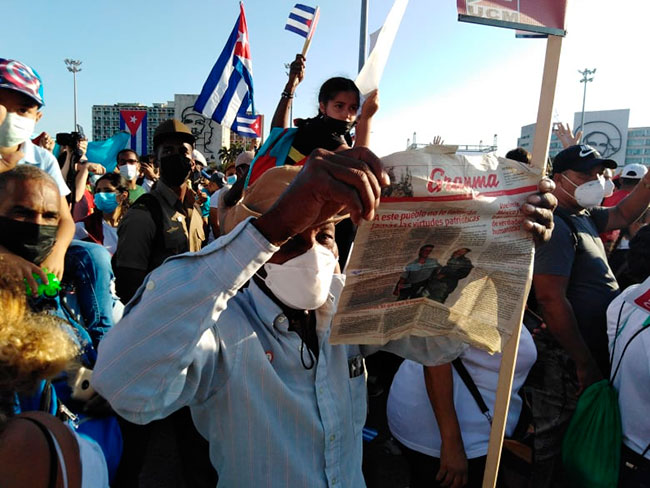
(73, 67)
(585, 79)
(363, 33)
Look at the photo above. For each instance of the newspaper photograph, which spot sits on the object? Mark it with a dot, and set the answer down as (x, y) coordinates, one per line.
(445, 255)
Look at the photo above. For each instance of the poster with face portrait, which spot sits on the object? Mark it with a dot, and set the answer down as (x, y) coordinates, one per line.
(210, 136)
(606, 131)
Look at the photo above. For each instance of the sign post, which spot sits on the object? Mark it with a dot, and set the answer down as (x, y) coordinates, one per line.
(547, 18)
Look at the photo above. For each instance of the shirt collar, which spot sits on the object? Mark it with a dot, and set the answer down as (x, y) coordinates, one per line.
(267, 310)
(167, 194)
(29, 153)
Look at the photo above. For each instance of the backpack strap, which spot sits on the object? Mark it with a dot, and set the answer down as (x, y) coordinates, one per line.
(473, 389)
(644, 326)
(65, 460)
(151, 204)
(566, 218)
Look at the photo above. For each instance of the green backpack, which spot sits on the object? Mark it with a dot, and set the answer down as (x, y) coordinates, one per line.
(591, 450)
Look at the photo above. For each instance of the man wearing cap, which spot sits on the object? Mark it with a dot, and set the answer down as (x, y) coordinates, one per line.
(573, 286)
(280, 405)
(167, 224)
(21, 100)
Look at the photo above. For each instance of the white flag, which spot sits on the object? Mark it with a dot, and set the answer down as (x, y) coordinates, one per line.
(370, 75)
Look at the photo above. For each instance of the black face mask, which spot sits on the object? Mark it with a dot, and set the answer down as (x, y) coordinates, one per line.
(335, 126)
(30, 241)
(175, 169)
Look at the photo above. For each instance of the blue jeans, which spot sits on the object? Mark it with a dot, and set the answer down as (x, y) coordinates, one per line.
(88, 268)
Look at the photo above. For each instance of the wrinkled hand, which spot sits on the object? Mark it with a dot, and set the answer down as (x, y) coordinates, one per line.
(55, 264)
(566, 136)
(453, 466)
(538, 211)
(296, 71)
(329, 184)
(16, 267)
(370, 105)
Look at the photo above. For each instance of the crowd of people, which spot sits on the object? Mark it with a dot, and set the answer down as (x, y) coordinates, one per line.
(167, 324)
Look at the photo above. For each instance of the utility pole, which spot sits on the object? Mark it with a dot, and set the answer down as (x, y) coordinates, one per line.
(73, 67)
(585, 79)
(363, 33)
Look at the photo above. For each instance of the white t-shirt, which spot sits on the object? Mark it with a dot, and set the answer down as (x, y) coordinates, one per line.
(633, 377)
(44, 160)
(214, 199)
(94, 473)
(410, 414)
(110, 235)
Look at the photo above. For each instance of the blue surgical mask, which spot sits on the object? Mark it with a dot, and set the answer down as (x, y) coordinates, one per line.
(106, 202)
(232, 179)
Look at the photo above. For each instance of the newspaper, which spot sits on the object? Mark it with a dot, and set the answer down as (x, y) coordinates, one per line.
(445, 255)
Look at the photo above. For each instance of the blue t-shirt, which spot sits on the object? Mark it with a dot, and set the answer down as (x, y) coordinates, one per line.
(44, 160)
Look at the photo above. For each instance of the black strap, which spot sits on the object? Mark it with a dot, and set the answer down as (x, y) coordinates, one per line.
(471, 386)
(566, 218)
(54, 456)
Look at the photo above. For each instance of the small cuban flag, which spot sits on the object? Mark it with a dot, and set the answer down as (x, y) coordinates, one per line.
(228, 92)
(249, 125)
(135, 123)
(302, 20)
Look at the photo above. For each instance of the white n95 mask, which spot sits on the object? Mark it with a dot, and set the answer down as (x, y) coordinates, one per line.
(129, 171)
(589, 194)
(15, 130)
(303, 282)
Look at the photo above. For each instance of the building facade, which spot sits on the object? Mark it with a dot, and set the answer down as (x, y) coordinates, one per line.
(608, 132)
(106, 119)
(210, 136)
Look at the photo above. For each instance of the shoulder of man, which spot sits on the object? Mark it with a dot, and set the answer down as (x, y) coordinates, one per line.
(556, 256)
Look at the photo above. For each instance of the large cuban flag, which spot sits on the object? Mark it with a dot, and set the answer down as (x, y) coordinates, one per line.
(228, 92)
(135, 123)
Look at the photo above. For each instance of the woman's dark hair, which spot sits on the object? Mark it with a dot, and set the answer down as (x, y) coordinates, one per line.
(638, 257)
(335, 85)
(119, 182)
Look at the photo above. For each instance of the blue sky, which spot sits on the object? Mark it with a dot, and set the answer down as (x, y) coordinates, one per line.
(464, 82)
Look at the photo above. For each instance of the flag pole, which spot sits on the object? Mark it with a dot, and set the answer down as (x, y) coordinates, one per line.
(508, 360)
(314, 23)
(363, 33)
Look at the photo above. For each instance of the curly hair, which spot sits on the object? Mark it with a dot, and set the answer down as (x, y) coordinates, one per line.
(32, 346)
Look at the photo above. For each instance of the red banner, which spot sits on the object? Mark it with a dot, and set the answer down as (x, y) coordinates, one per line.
(543, 16)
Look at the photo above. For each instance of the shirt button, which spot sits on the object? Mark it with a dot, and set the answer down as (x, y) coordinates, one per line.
(332, 438)
(334, 481)
(150, 285)
(320, 390)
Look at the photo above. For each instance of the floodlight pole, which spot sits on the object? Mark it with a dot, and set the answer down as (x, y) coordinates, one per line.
(363, 33)
(585, 79)
(73, 67)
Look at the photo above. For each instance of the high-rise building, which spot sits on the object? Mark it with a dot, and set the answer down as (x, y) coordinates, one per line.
(106, 119)
(608, 132)
(210, 136)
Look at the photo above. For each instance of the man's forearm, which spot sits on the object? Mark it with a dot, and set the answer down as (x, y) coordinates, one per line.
(630, 208)
(561, 322)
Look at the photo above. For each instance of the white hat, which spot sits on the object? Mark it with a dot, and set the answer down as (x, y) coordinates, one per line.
(634, 171)
(199, 158)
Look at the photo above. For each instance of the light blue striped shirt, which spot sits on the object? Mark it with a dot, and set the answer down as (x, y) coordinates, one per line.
(189, 338)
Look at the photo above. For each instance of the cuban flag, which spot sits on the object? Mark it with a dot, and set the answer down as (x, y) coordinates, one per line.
(135, 123)
(228, 91)
(302, 20)
(249, 125)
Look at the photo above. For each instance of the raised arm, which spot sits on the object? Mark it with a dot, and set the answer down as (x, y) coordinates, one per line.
(296, 75)
(368, 110)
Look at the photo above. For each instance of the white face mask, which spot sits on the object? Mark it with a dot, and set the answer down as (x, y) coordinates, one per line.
(588, 194)
(303, 282)
(15, 130)
(609, 188)
(129, 171)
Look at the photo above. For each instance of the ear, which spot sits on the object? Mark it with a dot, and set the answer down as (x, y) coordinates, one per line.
(39, 115)
(321, 107)
(121, 197)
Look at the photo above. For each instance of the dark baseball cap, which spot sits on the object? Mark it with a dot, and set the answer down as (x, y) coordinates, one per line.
(19, 77)
(581, 158)
(172, 127)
